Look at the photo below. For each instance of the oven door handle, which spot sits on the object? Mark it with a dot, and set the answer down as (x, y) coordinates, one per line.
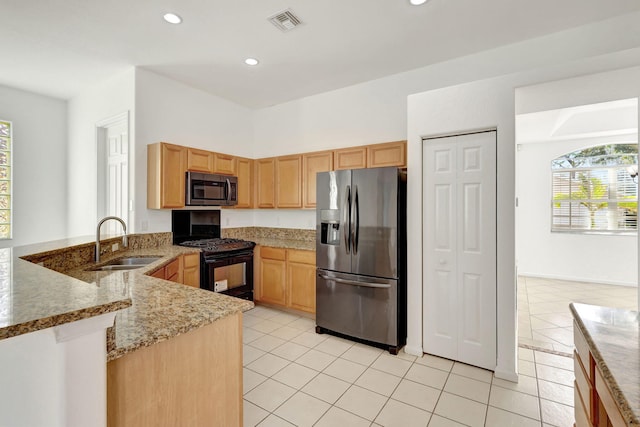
(354, 282)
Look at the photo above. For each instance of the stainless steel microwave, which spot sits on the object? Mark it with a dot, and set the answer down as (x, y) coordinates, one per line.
(204, 189)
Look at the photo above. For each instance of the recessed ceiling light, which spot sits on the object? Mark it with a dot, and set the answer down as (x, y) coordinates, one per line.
(251, 61)
(417, 2)
(172, 18)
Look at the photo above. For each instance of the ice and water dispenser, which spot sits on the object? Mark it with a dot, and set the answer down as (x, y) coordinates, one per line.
(330, 227)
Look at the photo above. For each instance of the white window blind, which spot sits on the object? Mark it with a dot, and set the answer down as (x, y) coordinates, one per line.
(5, 179)
(593, 190)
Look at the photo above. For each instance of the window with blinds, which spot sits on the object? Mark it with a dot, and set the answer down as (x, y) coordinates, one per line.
(593, 189)
(5, 179)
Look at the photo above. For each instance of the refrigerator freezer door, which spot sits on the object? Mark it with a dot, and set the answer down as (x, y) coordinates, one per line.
(333, 220)
(375, 222)
(358, 306)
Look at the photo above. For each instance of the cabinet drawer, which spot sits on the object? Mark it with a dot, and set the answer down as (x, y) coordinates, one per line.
(159, 273)
(273, 253)
(582, 348)
(581, 414)
(303, 257)
(191, 260)
(172, 269)
(582, 382)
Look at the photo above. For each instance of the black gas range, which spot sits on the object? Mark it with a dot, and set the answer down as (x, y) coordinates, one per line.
(226, 265)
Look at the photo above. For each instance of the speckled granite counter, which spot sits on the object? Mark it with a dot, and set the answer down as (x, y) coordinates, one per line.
(161, 309)
(287, 238)
(33, 297)
(612, 335)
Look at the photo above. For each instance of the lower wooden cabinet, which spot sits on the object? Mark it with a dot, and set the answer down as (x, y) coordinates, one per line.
(191, 270)
(286, 277)
(183, 269)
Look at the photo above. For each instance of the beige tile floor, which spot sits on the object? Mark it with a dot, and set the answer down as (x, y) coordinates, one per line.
(544, 319)
(292, 376)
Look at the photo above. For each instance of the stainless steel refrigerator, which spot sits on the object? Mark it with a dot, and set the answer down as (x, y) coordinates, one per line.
(361, 254)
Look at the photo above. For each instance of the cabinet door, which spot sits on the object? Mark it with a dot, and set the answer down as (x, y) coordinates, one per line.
(199, 160)
(224, 164)
(191, 272)
(158, 274)
(272, 281)
(166, 166)
(312, 163)
(350, 158)
(289, 182)
(244, 170)
(389, 154)
(173, 270)
(265, 180)
(173, 169)
(301, 280)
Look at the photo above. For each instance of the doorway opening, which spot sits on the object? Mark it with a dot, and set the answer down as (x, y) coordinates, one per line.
(576, 217)
(112, 136)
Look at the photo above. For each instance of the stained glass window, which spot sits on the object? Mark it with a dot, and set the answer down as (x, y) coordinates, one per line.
(5, 179)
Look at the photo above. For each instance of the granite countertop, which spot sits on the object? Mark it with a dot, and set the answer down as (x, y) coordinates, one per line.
(304, 245)
(161, 309)
(612, 335)
(33, 298)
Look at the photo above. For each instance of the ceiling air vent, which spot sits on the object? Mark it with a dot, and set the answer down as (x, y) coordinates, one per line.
(285, 20)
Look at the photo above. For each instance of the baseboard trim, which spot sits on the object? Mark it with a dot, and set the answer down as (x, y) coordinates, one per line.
(576, 279)
(413, 350)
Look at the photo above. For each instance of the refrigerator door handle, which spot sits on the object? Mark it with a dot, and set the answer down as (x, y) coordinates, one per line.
(353, 282)
(346, 219)
(355, 232)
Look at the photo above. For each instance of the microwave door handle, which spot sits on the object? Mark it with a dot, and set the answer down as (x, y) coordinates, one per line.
(227, 189)
(346, 219)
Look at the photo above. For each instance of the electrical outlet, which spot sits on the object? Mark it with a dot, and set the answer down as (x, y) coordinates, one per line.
(145, 225)
(115, 247)
(220, 285)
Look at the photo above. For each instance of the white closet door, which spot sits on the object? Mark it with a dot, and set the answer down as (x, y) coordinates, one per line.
(459, 277)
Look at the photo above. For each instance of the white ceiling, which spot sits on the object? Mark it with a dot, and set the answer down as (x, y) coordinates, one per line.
(60, 47)
(585, 121)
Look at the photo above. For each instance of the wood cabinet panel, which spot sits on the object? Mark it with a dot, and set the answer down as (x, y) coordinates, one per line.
(158, 274)
(244, 170)
(199, 160)
(582, 418)
(273, 253)
(350, 158)
(272, 281)
(388, 154)
(166, 166)
(289, 182)
(312, 163)
(224, 164)
(193, 379)
(173, 270)
(191, 270)
(301, 280)
(608, 402)
(265, 183)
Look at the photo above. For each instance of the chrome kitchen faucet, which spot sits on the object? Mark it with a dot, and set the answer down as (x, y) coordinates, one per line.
(124, 236)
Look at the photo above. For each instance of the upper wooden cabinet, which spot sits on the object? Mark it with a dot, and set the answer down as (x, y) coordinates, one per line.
(244, 170)
(199, 160)
(389, 154)
(265, 183)
(166, 166)
(289, 181)
(350, 158)
(224, 164)
(312, 163)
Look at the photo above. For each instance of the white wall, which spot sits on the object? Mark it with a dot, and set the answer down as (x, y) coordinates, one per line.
(169, 111)
(569, 256)
(39, 165)
(112, 97)
(479, 105)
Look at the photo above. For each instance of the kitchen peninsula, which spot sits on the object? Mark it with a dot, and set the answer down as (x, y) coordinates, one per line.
(173, 354)
(606, 366)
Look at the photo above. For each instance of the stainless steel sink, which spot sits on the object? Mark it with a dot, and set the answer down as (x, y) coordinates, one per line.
(128, 263)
